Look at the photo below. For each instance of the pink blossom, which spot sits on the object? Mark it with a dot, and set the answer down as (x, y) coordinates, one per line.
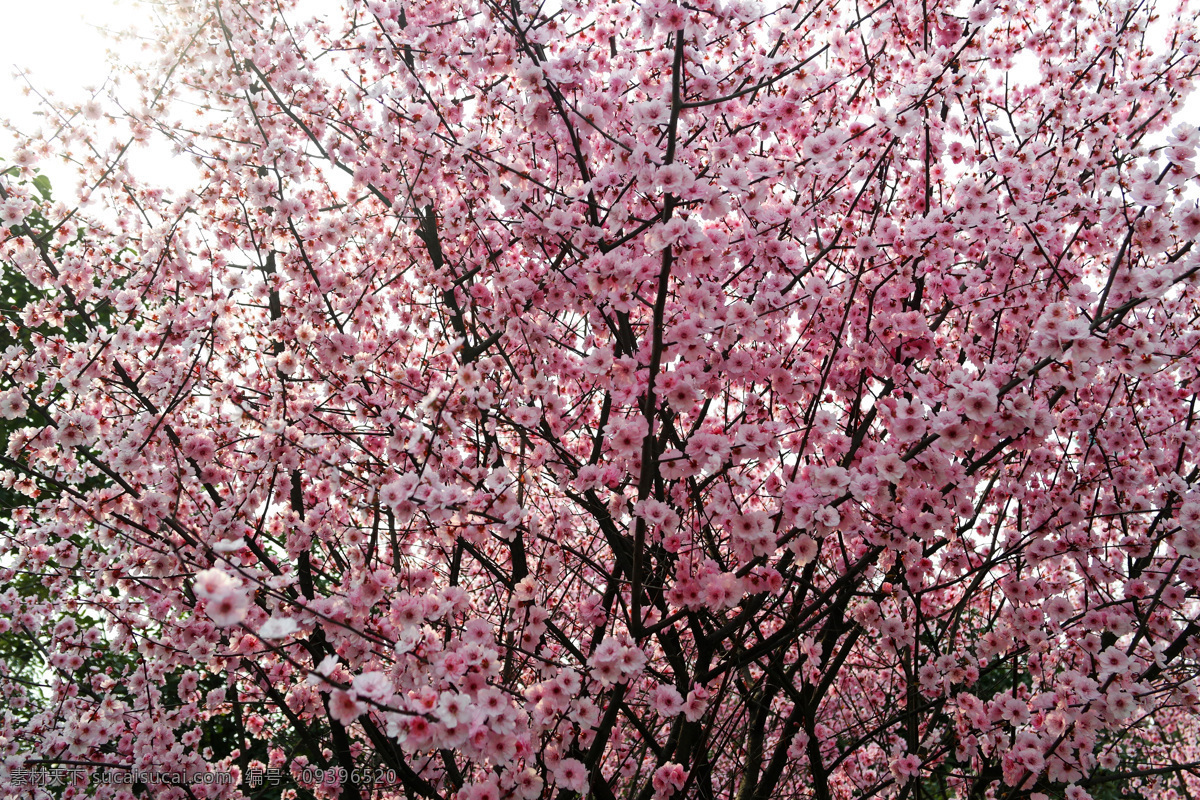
(77, 429)
(696, 704)
(213, 583)
(667, 701)
(1187, 217)
(343, 707)
(12, 404)
(905, 767)
(200, 448)
(229, 608)
(592, 382)
(570, 774)
(674, 178)
(668, 779)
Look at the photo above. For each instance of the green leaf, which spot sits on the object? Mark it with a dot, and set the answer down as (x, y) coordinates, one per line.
(43, 186)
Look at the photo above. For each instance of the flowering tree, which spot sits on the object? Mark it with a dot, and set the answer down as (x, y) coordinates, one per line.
(701, 400)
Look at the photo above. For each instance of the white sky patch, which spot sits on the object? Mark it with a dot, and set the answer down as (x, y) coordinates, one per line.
(62, 51)
(1026, 69)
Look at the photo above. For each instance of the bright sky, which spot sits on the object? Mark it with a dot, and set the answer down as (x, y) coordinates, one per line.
(61, 48)
(57, 43)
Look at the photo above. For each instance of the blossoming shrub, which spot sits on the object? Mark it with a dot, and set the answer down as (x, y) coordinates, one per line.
(715, 399)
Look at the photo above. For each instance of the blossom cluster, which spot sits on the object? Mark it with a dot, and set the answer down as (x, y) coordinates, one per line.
(603, 399)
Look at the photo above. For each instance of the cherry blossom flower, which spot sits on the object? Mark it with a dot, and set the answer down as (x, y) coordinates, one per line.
(277, 628)
(12, 404)
(668, 779)
(14, 210)
(571, 775)
(344, 708)
(229, 608)
(593, 380)
(212, 583)
(667, 701)
(77, 429)
(674, 178)
(905, 767)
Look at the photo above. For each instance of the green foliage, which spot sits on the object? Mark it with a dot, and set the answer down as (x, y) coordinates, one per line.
(18, 649)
